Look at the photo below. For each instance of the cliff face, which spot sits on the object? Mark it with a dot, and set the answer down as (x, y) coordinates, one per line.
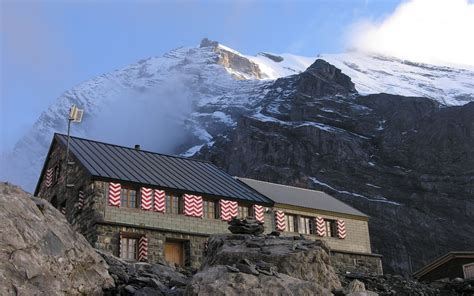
(405, 161)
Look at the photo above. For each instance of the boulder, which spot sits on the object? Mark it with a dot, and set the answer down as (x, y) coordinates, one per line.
(248, 225)
(40, 254)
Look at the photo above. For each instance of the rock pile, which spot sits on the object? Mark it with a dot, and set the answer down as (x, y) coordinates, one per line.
(243, 264)
(248, 225)
(142, 279)
(387, 285)
(40, 254)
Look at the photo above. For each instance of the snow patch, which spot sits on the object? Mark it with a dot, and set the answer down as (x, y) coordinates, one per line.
(383, 199)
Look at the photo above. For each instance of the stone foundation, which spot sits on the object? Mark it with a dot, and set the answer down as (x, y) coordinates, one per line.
(108, 239)
(345, 262)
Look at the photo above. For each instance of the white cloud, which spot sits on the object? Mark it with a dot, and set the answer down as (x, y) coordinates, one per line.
(430, 31)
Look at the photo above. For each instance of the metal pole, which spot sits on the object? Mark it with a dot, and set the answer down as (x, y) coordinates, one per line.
(67, 149)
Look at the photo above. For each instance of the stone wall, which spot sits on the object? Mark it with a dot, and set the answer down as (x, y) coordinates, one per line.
(345, 262)
(82, 220)
(357, 239)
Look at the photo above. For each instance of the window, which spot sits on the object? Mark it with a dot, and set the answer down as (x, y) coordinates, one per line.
(56, 172)
(174, 203)
(129, 197)
(330, 228)
(128, 248)
(291, 223)
(306, 225)
(244, 211)
(209, 209)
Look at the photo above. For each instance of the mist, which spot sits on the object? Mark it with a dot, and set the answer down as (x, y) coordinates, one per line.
(153, 118)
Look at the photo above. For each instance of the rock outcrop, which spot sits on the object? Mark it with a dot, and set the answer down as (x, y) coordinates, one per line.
(40, 254)
(240, 264)
(143, 278)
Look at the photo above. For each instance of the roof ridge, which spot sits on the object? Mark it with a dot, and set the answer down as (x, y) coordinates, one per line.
(130, 148)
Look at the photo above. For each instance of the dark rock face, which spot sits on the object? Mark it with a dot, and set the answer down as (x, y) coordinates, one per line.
(405, 161)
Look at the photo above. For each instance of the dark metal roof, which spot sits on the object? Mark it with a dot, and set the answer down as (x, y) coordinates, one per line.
(153, 169)
(307, 198)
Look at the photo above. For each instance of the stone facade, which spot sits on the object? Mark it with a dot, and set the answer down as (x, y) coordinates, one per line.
(357, 239)
(345, 262)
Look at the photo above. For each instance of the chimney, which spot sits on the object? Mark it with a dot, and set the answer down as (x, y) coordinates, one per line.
(137, 147)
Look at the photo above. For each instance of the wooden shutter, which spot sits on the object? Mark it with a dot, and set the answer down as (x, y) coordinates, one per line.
(341, 229)
(143, 249)
(159, 204)
(114, 194)
(193, 205)
(49, 177)
(229, 209)
(259, 214)
(80, 200)
(146, 203)
(320, 227)
(280, 221)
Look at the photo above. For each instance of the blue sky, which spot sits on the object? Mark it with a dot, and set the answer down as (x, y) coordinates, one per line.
(48, 47)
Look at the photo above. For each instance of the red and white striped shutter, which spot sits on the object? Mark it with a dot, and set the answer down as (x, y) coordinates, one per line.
(320, 227)
(143, 249)
(229, 209)
(80, 200)
(341, 229)
(159, 204)
(114, 194)
(280, 221)
(49, 177)
(258, 211)
(120, 246)
(193, 205)
(146, 194)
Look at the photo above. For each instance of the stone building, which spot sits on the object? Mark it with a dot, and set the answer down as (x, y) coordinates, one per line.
(141, 205)
(317, 215)
(146, 206)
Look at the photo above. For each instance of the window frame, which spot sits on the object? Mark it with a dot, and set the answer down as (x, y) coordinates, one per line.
(330, 227)
(56, 172)
(127, 237)
(208, 204)
(294, 224)
(174, 203)
(244, 207)
(126, 202)
(306, 225)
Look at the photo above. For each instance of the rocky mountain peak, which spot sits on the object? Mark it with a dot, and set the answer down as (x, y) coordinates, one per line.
(329, 73)
(208, 43)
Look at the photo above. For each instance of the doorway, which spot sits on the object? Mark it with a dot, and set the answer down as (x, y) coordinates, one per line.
(174, 252)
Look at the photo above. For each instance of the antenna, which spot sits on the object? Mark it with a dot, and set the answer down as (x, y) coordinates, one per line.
(75, 115)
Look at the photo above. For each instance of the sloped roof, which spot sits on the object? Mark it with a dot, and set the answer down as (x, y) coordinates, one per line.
(442, 260)
(306, 198)
(153, 169)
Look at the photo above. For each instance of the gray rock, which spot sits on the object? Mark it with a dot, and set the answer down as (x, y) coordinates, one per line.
(40, 254)
(249, 269)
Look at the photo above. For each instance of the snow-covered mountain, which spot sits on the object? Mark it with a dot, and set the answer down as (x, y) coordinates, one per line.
(186, 99)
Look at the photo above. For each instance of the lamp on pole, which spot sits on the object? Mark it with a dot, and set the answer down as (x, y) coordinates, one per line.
(75, 115)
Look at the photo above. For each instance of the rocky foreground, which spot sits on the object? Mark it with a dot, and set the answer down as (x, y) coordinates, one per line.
(40, 254)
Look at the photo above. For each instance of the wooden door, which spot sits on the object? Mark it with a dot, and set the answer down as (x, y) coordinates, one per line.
(174, 253)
